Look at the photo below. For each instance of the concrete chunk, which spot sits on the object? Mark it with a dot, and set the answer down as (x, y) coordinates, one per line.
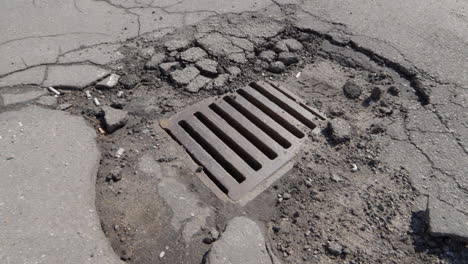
(109, 82)
(114, 118)
(73, 76)
(445, 220)
(184, 76)
(198, 83)
(193, 54)
(241, 243)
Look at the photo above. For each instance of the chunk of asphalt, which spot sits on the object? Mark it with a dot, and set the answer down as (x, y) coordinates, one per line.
(241, 243)
(73, 76)
(219, 82)
(288, 58)
(351, 89)
(184, 76)
(234, 71)
(207, 66)
(198, 83)
(21, 94)
(340, 130)
(446, 221)
(156, 59)
(193, 54)
(280, 46)
(293, 45)
(114, 118)
(168, 67)
(238, 57)
(176, 44)
(53, 151)
(109, 82)
(277, 67)
(268, 55)
(129, 81)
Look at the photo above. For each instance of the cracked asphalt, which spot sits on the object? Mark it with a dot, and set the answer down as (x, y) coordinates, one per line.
(70, 45)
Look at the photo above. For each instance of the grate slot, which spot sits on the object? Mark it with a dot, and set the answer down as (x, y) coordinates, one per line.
(266, 144)
(272, 114)
(259, 123)
(236, 174)
(254, 164)
(274, 96)
(293, 97)
(240, 139)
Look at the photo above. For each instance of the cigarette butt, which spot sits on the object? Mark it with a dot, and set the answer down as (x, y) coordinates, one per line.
(298, 75)
(53, 90)
(88, 94)
(102, 131)
(96, 101)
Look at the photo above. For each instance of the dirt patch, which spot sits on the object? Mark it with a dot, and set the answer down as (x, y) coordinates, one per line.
(339, 202)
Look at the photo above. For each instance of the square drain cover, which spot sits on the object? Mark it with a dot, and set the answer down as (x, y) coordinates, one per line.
(243, 138)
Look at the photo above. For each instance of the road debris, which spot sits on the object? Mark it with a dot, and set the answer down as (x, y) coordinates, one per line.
(119, 152)
(88, 95)
(53, 90)
(96, 101)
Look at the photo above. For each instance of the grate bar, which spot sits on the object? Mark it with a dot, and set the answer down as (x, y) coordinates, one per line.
(231, 159)
(247, 146)
(279, 132)
(268, 143)
(293, 125)
(222, 179)
(286, 103)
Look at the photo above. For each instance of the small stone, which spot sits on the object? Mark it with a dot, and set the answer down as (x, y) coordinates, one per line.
(176, 44)
(277, 67)
(109, 82)
(394, 90)
(234, 71)
(351, 89)
(146, 52)
(64, 106)
(280, 47)
(335, 178)
(288, 58)
(114, 118)
(198, 83)
(129, 81)
(155, 60)
(193, 54)
(219, 82)
(184, 76)
(334, 248)
(168, 67)
(267, 55)
(340, 130)
(114, 175)
(207, 66)
(286, 196)
(293, 45)
(376, 94)
(214, 233)
(118, 102)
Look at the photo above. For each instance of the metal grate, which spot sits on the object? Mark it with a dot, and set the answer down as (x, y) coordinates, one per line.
(243, 138)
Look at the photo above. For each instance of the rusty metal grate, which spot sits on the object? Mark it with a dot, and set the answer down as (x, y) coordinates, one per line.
(243, 138)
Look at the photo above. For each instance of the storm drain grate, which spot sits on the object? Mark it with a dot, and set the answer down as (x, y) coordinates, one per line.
(243, 138)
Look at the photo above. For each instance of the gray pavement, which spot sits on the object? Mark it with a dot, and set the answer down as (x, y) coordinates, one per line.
(41, 163)
(47, 210)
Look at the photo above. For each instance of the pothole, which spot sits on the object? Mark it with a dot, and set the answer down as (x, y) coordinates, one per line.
(337, 203)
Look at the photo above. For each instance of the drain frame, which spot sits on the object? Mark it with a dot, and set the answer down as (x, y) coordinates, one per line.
(245, 139)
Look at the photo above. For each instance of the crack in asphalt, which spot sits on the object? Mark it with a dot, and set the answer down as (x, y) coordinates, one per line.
(54, 36)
